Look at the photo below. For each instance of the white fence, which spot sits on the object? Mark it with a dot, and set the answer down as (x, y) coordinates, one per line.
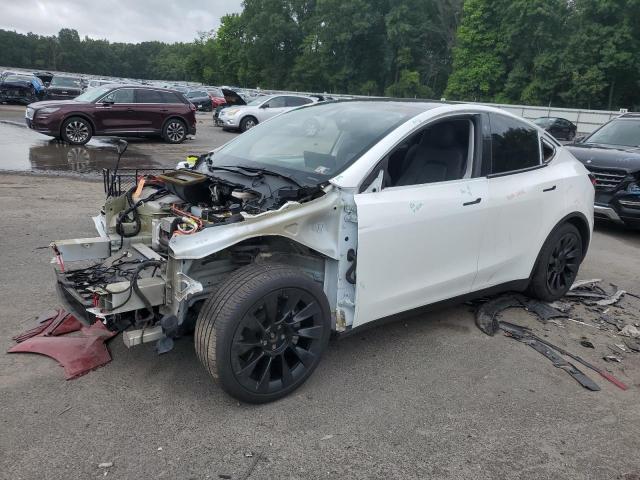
(586, 120)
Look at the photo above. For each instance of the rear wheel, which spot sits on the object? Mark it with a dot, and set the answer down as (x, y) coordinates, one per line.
(175, 131)
(248, 123)
(262, 334)
(557, 265)
(76, 131)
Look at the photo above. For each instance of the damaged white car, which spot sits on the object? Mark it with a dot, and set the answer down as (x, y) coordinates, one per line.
(280, 237)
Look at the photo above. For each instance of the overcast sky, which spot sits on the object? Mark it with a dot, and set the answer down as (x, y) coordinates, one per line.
(117, 20)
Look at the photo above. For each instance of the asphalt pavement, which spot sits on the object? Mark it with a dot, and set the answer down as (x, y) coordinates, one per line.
(426, 397)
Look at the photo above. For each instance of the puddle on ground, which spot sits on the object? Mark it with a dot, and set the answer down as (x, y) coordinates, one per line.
(24, 150)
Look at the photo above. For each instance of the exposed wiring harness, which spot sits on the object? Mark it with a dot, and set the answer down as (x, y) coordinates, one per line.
(189, 223)
(86, 279)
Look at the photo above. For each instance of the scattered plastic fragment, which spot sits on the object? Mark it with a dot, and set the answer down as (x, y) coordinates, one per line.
(610, 301)
(487, 313)
(105, 465)
(585, 283)
(326, 437)
(587, 344)
(630, 331)
(612, 358)
(527, 337)
(632, 345)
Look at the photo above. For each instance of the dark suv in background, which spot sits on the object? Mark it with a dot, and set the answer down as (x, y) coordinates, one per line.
(612, 155)
(128, 110)
(63, 88)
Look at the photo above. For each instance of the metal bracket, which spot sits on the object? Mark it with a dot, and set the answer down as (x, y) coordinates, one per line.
(191, 286)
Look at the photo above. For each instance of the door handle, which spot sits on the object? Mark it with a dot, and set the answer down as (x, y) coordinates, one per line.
(164, 110)
(550, 189)
(477, 200)
(130, 110)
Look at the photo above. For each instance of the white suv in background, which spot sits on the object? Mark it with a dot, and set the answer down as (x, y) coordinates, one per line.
(248, 116)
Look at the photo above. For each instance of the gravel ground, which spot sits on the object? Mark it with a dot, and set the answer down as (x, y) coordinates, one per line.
(427, 397)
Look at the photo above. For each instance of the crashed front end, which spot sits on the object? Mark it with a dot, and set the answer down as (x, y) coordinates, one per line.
(166, 242)
(22, 92)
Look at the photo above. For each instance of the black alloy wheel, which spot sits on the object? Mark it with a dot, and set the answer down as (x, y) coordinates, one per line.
(277, 341)
(557, 265)
(563, 264)
(262, 333)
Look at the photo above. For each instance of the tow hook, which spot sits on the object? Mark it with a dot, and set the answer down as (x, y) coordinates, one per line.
(351, 272)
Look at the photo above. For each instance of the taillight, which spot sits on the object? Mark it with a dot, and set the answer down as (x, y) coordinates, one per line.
(192, 107)
(592, 177)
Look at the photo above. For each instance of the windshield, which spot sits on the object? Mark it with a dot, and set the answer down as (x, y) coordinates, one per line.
(93, 94)
(258, 101)
(312, 144)
(623, 132)
(65, 82)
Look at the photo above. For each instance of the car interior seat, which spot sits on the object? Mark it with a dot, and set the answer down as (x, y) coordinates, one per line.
(439, 156)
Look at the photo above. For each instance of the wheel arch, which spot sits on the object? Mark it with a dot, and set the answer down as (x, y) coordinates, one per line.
(578, 220)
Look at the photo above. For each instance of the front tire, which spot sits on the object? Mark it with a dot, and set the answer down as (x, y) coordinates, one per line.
(175, 131)
(263, 332)
(557, 265)
(247, 123)
(76, 131)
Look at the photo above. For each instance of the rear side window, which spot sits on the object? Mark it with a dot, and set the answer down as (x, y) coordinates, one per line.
(515, 145)
(169, 97)
(277, 102)
(148, 96)
(297, 101)
(122, 95)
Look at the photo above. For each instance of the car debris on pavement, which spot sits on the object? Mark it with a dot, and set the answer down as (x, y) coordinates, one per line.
(79, 353)
(593, 298)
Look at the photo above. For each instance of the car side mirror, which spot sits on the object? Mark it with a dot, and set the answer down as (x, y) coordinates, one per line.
(580, 139)
(266, 105)
(107, 102)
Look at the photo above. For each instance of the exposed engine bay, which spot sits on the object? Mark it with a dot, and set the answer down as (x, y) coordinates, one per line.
(184, 202)
(136, 282)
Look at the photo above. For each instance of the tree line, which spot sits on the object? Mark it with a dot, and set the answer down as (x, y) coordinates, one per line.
(575, 53)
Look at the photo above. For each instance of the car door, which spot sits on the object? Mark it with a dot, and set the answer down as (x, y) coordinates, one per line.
(151, 110)
(115, 112)
(271, 108)
(418, 244)
(523, 193)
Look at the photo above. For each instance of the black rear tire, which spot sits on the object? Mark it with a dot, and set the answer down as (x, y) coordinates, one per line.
(263, 332)
(76, 131)
(557, 264)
